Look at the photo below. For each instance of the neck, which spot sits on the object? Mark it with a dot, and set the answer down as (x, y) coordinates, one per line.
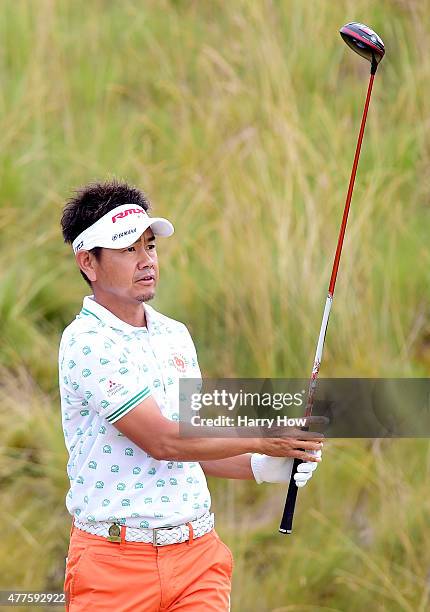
(132, 312)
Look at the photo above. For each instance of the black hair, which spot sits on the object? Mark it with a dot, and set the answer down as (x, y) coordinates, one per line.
(91, 202)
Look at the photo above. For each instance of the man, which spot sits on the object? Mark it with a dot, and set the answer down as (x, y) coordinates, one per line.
(142, 536)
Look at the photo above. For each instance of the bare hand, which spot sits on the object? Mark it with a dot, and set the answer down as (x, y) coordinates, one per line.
(293, 447)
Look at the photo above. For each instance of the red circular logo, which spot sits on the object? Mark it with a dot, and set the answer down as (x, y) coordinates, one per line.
(179, 362)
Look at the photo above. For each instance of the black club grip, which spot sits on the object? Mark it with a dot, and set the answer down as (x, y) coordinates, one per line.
(286, 525)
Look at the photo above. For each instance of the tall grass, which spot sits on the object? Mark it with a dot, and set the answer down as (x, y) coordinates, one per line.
(239, 120)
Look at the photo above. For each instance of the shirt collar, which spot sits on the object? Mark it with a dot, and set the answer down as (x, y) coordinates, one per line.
(91, 307)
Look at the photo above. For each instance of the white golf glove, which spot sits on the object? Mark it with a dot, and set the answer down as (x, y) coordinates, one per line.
(278, 469)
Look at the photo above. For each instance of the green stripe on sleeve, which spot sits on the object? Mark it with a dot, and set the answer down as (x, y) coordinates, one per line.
(122, 410)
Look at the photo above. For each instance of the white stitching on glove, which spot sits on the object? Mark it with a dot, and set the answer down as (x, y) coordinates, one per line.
(278, 469)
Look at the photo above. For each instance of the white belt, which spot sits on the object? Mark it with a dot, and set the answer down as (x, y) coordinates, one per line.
(161, 536)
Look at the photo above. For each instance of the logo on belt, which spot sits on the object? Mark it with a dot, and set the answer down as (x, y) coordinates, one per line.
(114, 533)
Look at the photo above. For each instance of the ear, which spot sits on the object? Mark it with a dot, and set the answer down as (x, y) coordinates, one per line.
(86, 262)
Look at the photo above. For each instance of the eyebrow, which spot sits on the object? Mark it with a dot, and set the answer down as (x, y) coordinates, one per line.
(152, 239)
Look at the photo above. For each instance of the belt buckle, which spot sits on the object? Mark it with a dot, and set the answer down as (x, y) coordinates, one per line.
(156, 530)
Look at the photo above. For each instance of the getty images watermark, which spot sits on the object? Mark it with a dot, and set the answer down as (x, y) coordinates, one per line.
(342, 407)
(234, 402)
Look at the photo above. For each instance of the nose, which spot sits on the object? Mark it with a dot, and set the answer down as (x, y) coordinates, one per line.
(146, 258)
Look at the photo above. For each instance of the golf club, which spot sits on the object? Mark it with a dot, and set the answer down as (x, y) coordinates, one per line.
(369, 45)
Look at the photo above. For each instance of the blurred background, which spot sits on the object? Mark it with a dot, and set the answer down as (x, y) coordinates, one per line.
(239, 120)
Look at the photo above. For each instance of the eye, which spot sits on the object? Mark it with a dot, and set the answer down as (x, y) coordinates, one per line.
(130, 249)
(151, 246)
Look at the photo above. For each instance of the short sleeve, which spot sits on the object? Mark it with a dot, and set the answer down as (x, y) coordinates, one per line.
(100, 373)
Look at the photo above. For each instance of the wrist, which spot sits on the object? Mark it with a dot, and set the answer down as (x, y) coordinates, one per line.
(258, 446)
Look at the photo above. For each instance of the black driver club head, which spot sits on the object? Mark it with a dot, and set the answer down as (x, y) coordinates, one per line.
(363, 41)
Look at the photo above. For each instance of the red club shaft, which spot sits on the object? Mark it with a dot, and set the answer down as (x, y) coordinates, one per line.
(288, 515)
(350, 190)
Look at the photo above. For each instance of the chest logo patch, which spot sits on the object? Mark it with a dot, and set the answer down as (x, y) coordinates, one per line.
(113, 388)
(179, 361)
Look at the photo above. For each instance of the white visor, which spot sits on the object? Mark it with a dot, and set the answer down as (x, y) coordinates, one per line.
(121, 227)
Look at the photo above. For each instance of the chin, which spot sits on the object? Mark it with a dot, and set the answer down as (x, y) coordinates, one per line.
(146, 297)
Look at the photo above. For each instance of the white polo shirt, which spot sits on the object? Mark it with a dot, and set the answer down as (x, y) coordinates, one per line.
(106, 368)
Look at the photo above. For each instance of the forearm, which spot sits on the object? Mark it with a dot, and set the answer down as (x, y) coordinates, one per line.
(163, 439)
(238, 467)
(212, 450)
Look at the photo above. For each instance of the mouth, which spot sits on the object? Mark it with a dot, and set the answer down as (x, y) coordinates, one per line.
(148, 279)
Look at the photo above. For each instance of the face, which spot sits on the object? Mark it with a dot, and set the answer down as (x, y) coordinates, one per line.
(126, 275)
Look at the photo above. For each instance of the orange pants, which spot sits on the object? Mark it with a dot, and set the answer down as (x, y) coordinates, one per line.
(194, 576)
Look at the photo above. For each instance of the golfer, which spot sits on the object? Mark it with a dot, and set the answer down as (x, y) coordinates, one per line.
(142, 536)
